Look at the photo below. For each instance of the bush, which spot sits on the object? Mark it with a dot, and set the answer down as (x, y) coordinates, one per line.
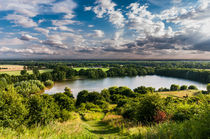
(183, 87)
(64, 115)
(148, 107)
(12, 111)
(192, 87)
(174, 87)
(85, 96)
(184, 112)
(144, 90)
(49, 83)
(163, 89)
(42, 110)
(64, 101)
(26, 88)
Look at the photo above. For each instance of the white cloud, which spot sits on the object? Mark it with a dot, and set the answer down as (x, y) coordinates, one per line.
(24, 7)
(107, 7)
(65, 28)
(21, 20)
(42, 30)
(33, 50)
(143, 21)
(87, 8)
(65, 6)
(63, 22)
(69, 16)
(11, 42)
(27, 37)
(90, 26)
(99, 33)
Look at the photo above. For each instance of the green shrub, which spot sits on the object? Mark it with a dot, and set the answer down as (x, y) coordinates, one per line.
(192, 87)
(147, 108)
(64, 115)
(174, 87)
(42, 110)
(64, 101)
(184, 112)
(26, 88)
(144, 90)
(183, 87)
(49, 83)
(12, 110)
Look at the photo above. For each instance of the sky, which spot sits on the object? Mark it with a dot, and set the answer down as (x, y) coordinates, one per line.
(104, 29)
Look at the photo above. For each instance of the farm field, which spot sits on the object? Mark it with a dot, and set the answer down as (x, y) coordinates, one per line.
(18, 72)
(11, 67)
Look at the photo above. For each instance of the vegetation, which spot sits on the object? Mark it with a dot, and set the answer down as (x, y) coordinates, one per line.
(115, 112)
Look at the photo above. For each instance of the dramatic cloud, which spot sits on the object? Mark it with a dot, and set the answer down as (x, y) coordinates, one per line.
(27, 51)
(107, 7)
(105, 28)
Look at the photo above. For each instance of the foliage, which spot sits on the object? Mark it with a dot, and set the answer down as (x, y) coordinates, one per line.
(49, 83)
(12, 109)
(93, 116)
(42, 110)
(183, 87)
(208, 88)
(174, 87)
(27, 88)
(193, 87)
(144, 90)
(64, 101)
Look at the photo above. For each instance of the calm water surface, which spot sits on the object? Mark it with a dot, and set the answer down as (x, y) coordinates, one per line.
(131, 82)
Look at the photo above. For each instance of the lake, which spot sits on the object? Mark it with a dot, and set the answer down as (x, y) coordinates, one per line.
(131, 82)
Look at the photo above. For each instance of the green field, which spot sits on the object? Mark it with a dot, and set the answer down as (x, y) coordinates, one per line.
(46, 70)
(85, 68)
(18, 72)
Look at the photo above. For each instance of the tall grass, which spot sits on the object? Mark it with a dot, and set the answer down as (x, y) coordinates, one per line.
(88, 116)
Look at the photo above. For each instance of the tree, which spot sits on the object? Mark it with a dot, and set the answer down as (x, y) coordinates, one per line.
(36, 71)
(42, 109)
(49, 83)
(23, 72)
(68, 92)
(183, 87)
(192, 87)
(13, 112)
(64, 101)
(174, 87)
(143, 90)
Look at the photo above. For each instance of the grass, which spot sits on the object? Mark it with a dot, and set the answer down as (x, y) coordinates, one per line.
(18, 72)
(88, 116)
(179, 93)
(85, 68)
(74, 128)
